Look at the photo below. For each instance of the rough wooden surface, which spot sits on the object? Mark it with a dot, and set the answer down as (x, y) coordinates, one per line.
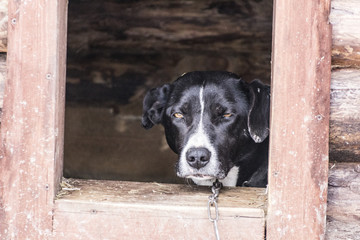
(3, 25)
(162, 25)
(343, 211)
(345, 19)
(346, 56)
(299, 120)
(345, 116)
(3, 48)
(32, 122)
(237, 34)
(2, 79)
(91, 209)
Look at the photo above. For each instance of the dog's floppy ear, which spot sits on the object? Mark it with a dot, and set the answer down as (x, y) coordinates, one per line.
(153, 105)
(258, 118)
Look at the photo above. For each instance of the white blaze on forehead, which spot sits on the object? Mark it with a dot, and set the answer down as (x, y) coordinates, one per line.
(202, 107)
(199, 139)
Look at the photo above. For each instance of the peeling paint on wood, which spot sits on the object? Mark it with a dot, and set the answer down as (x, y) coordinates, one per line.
(299, 120)
(18, 172)
(32, 121)
(2, 79)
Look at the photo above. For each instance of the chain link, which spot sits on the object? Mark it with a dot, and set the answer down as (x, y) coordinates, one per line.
(213, 203)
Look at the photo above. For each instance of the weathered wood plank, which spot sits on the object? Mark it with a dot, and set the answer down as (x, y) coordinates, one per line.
(299, 123)
(32, 122)
(163, 25)
(345, 19)
(345, 116)
(163, 39)
(3, 25)
(346, 57)
(2, 79)
(343, 211)
(130, 210)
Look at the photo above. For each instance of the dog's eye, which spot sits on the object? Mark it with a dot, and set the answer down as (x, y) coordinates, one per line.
(227, 115)
(178, 115)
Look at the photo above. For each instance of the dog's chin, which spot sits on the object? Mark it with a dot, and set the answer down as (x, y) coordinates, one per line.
(201, 177)
(202, 180)
(227, 179)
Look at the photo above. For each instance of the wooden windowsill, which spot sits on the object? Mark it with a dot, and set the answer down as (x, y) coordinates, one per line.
(137, 210)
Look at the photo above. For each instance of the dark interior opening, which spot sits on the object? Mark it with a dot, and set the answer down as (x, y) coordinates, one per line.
(117, 50)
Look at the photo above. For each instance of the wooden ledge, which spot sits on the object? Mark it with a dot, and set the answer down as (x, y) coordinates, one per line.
(136, 210)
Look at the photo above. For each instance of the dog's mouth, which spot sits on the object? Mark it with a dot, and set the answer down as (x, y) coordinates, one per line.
(200, 177)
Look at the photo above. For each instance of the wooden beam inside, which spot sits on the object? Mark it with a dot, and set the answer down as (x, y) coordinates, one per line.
(134, 210)
(301, 69)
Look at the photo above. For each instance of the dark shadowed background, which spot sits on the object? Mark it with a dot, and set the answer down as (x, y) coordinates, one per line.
(117, 50)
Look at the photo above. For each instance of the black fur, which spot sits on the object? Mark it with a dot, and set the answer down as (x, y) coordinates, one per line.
(235, 119)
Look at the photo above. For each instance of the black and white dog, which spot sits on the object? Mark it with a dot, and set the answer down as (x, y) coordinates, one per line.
(218, 125)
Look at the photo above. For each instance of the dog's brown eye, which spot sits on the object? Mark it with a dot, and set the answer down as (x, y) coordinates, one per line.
(178, 115)
(227, 115)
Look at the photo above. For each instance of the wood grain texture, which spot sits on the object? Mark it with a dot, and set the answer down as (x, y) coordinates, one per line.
(32, 126)
(345, 19)
(345, 116)
(3, 25)
(343, 211)
(2, 79)
(160, 40)
(91, 209)
(203, 26)
(299, 120)
(346, 57)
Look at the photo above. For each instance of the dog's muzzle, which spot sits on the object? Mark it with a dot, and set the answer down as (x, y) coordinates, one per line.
(198, 157)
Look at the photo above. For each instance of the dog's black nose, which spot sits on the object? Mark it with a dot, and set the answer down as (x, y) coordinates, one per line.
(198, 157)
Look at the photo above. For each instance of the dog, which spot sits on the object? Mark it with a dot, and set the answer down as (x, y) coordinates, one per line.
(217, 123)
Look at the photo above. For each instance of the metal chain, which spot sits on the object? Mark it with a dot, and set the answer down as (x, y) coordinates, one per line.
(213, 203)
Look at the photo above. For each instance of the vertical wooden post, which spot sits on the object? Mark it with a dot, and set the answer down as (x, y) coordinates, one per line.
(32, 124)
(299, 120)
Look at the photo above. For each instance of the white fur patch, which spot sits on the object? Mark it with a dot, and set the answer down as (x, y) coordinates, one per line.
(199, 139)
(229, 181)
(231, 178)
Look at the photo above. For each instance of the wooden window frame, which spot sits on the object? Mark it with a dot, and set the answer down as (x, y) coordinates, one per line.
(32, 130)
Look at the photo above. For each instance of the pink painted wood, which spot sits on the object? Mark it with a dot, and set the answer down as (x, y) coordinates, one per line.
(32, 124)
(299, 120)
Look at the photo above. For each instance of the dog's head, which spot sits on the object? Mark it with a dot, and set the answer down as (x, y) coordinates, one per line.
(211, 120)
